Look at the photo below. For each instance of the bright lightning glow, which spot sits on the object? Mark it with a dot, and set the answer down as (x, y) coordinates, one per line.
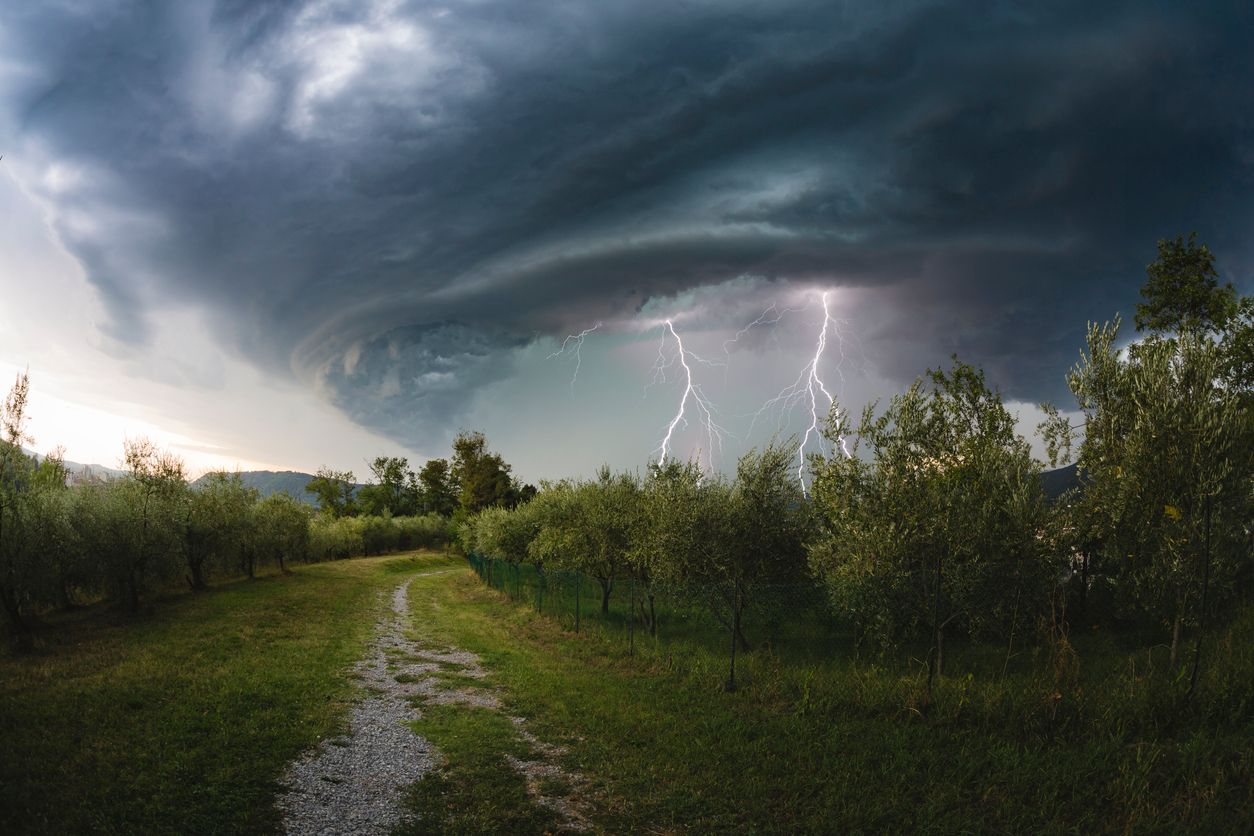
(809, 389)
(771, 316)
(575, 343)
(703, 408)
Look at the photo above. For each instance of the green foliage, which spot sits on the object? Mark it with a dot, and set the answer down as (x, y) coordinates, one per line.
(15, 471)
(437, 490)
(395, 491)
(1181, 293)
(335, 538)
(217, 526)
(589, 526)
(483, 479)
(938, 526)
(281, 528)
(131, 537)
(428, 531)
(726, 542)
(505, 533)
(1237, 350)
(334, 490)
(1165, 438)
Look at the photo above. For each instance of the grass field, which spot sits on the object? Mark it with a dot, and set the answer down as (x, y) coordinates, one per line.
(183, 721)
(1101, 745)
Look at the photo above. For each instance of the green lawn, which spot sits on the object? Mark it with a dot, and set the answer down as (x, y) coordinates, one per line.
(181, 721)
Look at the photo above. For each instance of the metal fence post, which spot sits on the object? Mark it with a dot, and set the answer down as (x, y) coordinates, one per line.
(631, 620)
(731, 677)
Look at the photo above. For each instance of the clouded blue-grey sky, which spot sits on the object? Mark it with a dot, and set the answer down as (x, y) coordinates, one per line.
(292, 233)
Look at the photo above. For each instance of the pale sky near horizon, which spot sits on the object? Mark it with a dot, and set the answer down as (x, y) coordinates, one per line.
(281, 235)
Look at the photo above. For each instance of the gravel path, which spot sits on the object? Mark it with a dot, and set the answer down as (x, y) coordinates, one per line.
(354, 784)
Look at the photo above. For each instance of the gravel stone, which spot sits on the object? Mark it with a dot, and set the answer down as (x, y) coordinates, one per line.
(355, 784)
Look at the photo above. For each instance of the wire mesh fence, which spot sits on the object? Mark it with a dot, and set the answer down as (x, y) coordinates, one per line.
(790, 620)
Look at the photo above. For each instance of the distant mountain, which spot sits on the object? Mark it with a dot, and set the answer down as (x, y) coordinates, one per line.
(269, 482)
(1059, 480)
(82, 472)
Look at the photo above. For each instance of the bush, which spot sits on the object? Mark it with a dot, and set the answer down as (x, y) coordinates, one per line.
(335, 538)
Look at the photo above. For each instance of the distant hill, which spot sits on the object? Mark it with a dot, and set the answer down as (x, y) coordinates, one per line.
(269, 482)
(265, 481)
(82, 472)
(1059, 480)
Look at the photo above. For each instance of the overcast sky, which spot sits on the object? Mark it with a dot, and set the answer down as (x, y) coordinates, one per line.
(285, 234)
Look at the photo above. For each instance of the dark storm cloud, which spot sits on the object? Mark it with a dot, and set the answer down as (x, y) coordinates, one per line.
(387, 198)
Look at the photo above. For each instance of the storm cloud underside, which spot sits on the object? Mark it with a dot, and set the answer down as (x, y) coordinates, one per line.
(387, 200)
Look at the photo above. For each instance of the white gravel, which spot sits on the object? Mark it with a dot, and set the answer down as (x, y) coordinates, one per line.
(355, 784)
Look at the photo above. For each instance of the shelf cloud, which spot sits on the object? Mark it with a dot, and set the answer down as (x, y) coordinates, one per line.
(387, 200)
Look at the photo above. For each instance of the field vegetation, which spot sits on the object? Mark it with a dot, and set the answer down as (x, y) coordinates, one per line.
(918, 638)
(184, 721)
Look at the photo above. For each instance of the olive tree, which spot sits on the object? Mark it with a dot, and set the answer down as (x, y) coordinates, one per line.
(606, 511)
(557, 534)
(15, 471)
(725, 542)
(40, 558)
(53, 550)
(280, 526)
(1167, 456)
(145, 514)
(684, 532)
(769, 522)
(216, 526)
(937, 525)
(1166, 464)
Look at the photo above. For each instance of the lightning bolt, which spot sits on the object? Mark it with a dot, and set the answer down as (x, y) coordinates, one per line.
(705, 412)
(774, 314)
(810, 390)
(575, 343)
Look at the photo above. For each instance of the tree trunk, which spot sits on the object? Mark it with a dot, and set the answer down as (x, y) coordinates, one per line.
(1175, 635)
(1201, 616)
(132, 592)
(64, 595)
(934, 669)
(938, 629)
(198, 574)
(12, 610)
(1084, 583)
(735, 636)
(607, 586)
(647, 612)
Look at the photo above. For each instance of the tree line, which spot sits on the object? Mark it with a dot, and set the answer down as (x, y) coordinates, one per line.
(63, 545)
(938, 525)
(474, 478)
